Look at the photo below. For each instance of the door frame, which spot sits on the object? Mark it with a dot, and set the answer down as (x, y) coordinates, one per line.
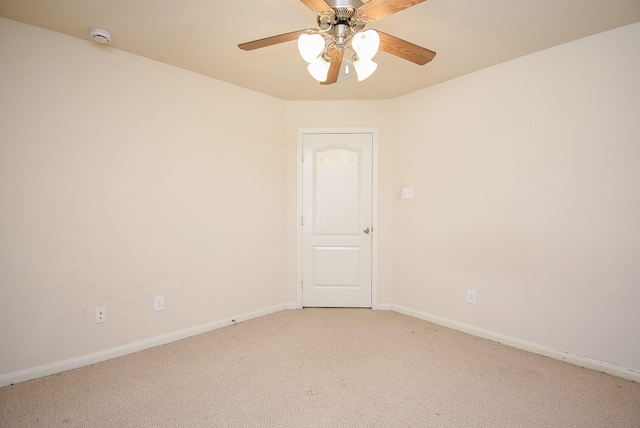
(374, 206)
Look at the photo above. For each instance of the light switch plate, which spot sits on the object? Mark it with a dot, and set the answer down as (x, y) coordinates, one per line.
(407, 192)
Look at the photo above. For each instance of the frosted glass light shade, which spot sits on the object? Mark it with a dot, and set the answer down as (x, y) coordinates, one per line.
(364, 68)
(319, 69)
(366, 44)
(310, 46)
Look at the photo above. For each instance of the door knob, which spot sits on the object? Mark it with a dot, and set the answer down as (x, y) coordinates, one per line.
(366, 230)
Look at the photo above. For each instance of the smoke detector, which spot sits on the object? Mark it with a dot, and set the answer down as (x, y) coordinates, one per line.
(100, 36)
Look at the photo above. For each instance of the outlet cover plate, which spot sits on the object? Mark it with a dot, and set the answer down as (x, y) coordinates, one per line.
(158, 303)
(101, 315)
(471, 296)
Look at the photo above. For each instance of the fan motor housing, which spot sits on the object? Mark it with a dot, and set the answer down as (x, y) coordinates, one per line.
(344, 13)
(353, 4)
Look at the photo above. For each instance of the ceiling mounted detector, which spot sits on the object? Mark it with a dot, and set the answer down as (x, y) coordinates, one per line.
(101, 36)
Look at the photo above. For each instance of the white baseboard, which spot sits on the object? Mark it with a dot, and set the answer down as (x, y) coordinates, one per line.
(577, 360)
(85, 360)
(120, 351)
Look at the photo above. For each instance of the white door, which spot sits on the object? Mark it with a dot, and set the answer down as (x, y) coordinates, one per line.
(337, 220)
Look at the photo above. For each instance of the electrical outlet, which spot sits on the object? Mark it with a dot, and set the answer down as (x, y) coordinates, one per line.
(471, 296)
(101, 315)
(158, 303)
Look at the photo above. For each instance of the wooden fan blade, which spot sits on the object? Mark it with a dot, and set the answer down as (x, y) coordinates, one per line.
(334, 69)
(273, 40)
(405, 50)
(378, 9)
(318, 6)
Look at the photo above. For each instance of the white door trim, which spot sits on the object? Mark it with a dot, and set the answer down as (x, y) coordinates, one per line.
(374, 212)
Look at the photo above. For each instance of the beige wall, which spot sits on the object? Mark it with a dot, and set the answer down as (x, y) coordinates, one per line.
(527, 189)
(121, 179)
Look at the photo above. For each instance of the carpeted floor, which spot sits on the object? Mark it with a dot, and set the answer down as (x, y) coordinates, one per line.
(326, 368)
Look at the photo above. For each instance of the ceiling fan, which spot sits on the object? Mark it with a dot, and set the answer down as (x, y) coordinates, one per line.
(341, 35)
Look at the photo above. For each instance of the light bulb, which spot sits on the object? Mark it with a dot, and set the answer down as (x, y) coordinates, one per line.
(310, 46)
(364, 68)
(319, 69)
(366, 44)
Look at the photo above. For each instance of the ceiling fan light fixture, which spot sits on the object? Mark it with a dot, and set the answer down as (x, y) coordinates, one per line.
(366, 44)
(310, 46)
(319, 69)
(328, 51)
(364, 68)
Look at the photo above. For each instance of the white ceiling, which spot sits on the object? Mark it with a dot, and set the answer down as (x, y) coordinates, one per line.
(202, 36)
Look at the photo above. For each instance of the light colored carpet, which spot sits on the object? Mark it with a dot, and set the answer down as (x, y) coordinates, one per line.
(326, 368)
